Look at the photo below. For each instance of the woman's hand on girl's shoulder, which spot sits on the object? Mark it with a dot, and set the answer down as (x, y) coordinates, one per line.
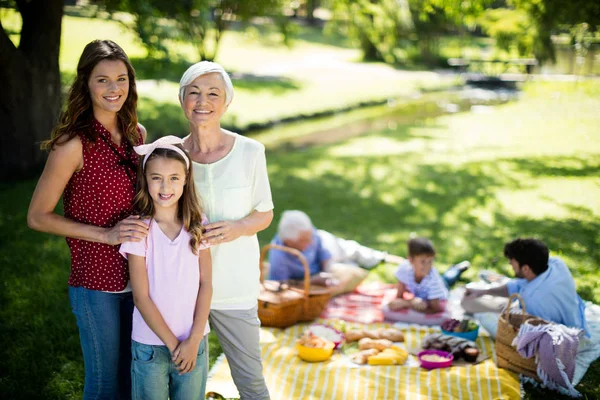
(130, 229)
(223, 232)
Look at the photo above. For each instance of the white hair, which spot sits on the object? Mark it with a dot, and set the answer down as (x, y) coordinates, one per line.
(293, 222)
(203, 68)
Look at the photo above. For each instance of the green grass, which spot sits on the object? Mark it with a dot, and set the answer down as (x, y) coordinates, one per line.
(469, 181)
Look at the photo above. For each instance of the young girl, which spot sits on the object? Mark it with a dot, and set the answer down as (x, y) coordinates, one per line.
(93, 167)
(171, 277)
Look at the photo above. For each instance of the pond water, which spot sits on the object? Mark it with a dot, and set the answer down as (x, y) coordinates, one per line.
(567, 62)
(341, 126)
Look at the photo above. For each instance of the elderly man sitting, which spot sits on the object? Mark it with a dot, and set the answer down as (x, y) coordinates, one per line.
(332, 261)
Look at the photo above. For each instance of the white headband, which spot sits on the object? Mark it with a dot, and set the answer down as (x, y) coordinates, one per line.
(165, 142)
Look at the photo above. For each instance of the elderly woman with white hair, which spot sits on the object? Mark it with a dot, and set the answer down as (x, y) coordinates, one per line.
(230, 174)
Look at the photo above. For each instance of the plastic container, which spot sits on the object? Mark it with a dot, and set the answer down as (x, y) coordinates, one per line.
(327, 332)
(435, 364)
(315, 354)
(469, 335)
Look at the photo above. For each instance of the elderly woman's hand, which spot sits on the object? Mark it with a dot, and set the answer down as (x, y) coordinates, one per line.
(223, 232)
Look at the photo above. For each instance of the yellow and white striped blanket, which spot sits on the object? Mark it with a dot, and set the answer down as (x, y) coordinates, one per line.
(288, 377)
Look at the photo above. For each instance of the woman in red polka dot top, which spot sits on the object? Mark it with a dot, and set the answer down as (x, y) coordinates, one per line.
(92, 165)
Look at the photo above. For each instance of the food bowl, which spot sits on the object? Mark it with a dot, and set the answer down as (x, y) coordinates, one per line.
(315, 354)
(432, 364)
(327, 332)
(469, 335)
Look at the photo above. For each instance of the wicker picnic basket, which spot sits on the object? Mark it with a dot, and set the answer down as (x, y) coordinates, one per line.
(316, 297)
(278, 305)
(509, 324)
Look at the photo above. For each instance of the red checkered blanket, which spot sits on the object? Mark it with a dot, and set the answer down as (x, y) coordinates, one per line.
(363, 305)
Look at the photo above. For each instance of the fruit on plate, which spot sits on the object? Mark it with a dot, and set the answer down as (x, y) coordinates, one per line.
(392, 356)
(327, 332)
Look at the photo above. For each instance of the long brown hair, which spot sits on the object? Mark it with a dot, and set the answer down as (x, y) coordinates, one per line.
(77, 117)
(189, 210)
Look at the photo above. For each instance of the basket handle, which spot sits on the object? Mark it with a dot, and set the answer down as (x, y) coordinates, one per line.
(297, 253)
(510, 300)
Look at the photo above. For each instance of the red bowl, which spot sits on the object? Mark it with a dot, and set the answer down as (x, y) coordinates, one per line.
(435, 364)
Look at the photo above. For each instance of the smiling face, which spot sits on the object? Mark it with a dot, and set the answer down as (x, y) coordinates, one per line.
(166, 181)
(204, 99)
(421, 265)
(109, 87)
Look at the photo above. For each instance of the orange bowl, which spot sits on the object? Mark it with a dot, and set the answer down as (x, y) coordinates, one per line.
(315, 354)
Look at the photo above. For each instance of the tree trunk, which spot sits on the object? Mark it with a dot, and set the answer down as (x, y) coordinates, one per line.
(311, 6)
(370, 52)
(30, 98)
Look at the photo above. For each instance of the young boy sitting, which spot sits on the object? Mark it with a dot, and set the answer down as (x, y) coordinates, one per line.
(420, 286)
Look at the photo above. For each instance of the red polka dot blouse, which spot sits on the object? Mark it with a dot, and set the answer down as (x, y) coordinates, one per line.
(100, 194)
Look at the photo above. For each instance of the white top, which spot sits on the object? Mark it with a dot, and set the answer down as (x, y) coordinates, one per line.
(431, 286)
(173, 282)
(230, 189)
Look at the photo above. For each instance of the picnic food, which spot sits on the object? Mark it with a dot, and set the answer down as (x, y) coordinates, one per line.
(327, 332)
(363, 356)
(431, 359)
(453, 345)
(454, 325)
(434, 358)
(470, 354)
(379, 344)
(313, 348)
(308, 339)
(392, 334)
(392, 356)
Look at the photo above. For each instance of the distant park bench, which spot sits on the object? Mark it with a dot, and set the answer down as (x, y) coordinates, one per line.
(493, 67)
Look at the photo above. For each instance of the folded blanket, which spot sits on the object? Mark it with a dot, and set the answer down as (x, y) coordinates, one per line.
(555, 347)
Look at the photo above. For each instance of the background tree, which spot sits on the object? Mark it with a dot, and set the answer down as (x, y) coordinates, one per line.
(200, 22)
(30, 96)
(434, 18)
(376, 26)
(549, 15)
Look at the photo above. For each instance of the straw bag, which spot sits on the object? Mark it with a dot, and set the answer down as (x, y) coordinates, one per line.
(509, 324)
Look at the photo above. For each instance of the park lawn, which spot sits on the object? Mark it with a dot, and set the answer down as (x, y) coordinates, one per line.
(470, 181)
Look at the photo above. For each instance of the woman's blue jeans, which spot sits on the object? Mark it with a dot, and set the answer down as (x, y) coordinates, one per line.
(104, 321)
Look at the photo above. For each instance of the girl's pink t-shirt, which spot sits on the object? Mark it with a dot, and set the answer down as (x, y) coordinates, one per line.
(173, 282)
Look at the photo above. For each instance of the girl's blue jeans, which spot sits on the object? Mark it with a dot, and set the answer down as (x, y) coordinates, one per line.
(154, 376)
(104, 321)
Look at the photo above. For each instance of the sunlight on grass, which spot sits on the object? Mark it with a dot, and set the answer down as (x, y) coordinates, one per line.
(557, 197)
